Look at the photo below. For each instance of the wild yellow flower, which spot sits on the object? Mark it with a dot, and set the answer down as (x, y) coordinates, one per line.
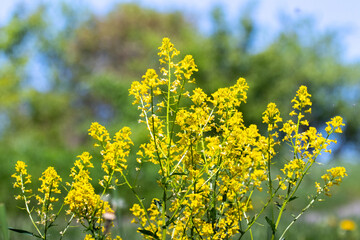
(89, 237)
(50, 181)
(22, 178)
(139, 213)
(167, 51)
(186, 67)
(333, 177)
(82, 199)
(271, 116)
(99, 132)
(335, 174)
(302, 100)
(294, 169)
(348, 225)
(334, 125)
(198, 97)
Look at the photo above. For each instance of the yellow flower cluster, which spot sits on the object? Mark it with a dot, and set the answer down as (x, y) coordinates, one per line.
(210, 164)
(90, 237)
(309, 144)
(334, 125)
(82, 199)
(22, 178)
(271, 116)
(207, 175)
(114, 152)
(333, 177)
(302, 100)
(49, 184)
(50, 181)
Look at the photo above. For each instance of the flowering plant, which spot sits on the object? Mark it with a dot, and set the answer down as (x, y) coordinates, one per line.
(210, 164)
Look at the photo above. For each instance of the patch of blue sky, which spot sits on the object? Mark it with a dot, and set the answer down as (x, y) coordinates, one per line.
(269, 15)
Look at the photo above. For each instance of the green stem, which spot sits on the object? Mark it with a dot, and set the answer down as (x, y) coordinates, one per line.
(138, 198)
(269, 174)
(67, 226)
(259, 214)
(299, 215)
(168, 112)
(27, 208)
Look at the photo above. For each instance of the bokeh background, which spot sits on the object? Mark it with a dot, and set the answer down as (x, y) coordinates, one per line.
(65, 64)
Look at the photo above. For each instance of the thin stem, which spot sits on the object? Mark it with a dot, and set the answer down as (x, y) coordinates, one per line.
(247, 220)
(62, 233)
(27, 207)
(269, 174)
(260, 212)
(138, 198)
(299, 215)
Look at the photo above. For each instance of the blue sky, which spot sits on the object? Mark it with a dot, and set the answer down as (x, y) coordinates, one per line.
(333, 14)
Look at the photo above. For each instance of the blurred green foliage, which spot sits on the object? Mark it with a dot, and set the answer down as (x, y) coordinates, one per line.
(88, 62)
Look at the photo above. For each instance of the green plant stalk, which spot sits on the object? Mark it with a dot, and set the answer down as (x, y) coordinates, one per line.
(45, 208)
(260, 212)
(247, 221)
(62, 233)
(167, 169)
(297, 186)
(303, 210)
(152, 134)
(163, 171)
(299, 215)
(27, 208)
(168, 116)
(269, 175)
(138, 198)
(288, 198)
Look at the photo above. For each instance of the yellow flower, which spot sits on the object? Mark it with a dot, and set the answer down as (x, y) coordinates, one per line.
(198, 96)
(99, 132)
(82, 199)
(186, 67)
(347, 225)
(271, 116)
(333, 177)
(50, 181)
(334, 125)
(335, 174)
(167, 51)
(89, 237)
(302, 100)
(49, 186)
(21, 179)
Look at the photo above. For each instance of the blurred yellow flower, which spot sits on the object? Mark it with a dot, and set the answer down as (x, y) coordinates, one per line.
(347, 225)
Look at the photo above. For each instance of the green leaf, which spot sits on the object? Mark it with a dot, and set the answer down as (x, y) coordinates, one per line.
(292, 198)
(252, 219)
(213, 215)
(4, 232)
(270, 222)
(170, 221)
(23, 232)
(179, 174)
(149, 233)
